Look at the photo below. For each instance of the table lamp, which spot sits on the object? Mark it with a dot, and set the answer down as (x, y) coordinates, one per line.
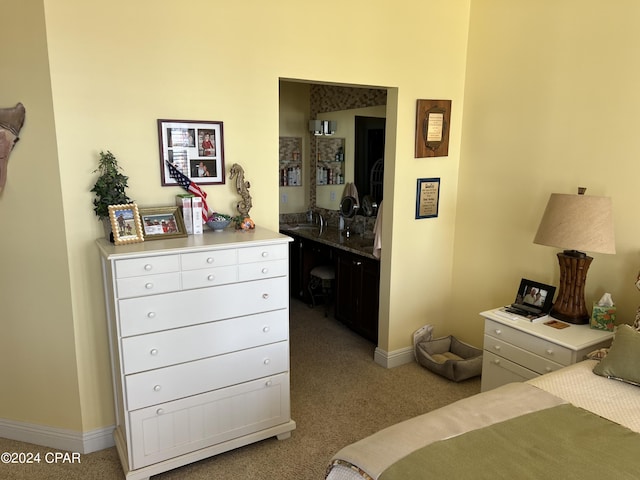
(575, 223)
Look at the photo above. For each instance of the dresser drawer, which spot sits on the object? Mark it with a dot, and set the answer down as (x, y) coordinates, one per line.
(539, 346)
(161, 349)
(267, 252)
(191, 307)
(255, 271)
(522, 357)
(212, 258)
(178, 381)
(189, 424)
(147, 266)
(207, 277)
(148, 285)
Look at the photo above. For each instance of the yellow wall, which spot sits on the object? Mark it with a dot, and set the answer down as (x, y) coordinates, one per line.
(551, 103)
(115, 68)
(37, 341)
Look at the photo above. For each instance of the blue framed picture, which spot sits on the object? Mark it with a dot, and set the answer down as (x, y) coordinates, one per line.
(427, 197)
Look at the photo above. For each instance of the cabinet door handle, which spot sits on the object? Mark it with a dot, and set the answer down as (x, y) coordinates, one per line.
(148, 267)
(265, 296)
(157, 388)
(154, 352)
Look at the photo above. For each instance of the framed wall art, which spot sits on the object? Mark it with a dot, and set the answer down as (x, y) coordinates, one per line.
(125, 224)
(432, 128)
(162, 223)
(427, 197)
(196, 148)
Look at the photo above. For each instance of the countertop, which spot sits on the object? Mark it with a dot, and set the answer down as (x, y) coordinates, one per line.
(354, 243)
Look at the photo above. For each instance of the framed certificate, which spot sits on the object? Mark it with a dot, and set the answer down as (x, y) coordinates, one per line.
(427, 197)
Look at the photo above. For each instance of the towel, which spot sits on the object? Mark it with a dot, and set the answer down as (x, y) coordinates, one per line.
(350, 190)
(377, 232)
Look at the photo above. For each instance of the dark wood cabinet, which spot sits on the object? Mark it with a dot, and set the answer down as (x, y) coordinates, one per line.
(306, 254)
(358, 293)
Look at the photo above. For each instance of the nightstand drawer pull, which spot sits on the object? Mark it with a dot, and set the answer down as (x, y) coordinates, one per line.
(268, 383)
(549, 351)
(267, 361)
(265, 296)
(157, 388)
(496, 347)
(265, 254)
(211, 277)
(266, 329)
(160, 411)
(154, 351)
(148, 267)
(151, 315)
(498, 331)
(148, 286)
(209, 260)
(496, 361)
(265, 270)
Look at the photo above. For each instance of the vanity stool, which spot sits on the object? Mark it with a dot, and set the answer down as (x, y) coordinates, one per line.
(322, 277)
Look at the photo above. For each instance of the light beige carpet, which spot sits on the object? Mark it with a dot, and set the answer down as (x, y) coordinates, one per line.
(338, 395)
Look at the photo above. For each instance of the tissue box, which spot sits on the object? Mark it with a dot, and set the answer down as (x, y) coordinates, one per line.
(603, 318)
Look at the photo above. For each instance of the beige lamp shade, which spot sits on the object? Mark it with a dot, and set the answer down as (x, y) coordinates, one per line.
(577, 222)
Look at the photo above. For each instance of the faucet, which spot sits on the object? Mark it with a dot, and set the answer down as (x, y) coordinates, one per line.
(321, 223)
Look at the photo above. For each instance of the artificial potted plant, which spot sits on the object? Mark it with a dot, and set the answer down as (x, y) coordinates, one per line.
(109, 189)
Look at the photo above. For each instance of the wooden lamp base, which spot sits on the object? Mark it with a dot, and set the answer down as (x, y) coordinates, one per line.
(570, 305)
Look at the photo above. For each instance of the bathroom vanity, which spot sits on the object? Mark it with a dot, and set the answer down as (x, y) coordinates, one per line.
(357, 284)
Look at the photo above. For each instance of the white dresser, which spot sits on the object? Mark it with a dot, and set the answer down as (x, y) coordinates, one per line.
(516, 349)
(199, 337)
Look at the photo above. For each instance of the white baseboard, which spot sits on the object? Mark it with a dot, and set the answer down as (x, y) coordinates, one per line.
(58, 438)
(395, 358)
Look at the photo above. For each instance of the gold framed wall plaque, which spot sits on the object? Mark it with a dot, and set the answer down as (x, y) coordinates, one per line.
(433, 118)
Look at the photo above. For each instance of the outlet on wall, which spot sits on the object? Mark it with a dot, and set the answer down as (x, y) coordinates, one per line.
(332, 196)
(285, 197)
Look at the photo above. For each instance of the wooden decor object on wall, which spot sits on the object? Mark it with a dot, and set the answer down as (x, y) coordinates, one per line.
(432, 128)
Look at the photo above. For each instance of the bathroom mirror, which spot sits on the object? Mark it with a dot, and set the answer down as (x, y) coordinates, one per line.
(348, 207)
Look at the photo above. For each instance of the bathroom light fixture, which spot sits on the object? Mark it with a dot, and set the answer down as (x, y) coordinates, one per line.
(323, 127)
(575, 223)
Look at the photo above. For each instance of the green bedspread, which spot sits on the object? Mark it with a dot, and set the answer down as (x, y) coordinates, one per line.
(563, 442)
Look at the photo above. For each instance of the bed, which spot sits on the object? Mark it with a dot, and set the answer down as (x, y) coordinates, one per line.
(571, 423)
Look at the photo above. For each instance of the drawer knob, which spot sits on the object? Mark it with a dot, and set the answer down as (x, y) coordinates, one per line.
(548, 369)
(265, 296)
(148, 286)
(265, 254)
(267, 361)
(148, 267)
(211, 277)
(154, 351)
(265, 270)
(210, 260)
(160, 411)
(496, 347)
(496, 361)
(549, 351)
(268, 383)
(151, 315)
(266, 329)
(157, 388)
(498, 331)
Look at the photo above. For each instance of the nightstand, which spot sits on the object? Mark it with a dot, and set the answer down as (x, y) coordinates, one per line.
(516, 349)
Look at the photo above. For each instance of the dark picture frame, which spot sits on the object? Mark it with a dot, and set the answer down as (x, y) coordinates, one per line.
(162, 223)
(196, 148)
(125, 224)
(427, 198)
(433, 118)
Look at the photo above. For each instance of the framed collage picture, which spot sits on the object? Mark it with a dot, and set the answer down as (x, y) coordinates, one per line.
(195, 148)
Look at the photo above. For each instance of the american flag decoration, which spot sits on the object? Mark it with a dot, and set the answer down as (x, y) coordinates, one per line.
(191, 187)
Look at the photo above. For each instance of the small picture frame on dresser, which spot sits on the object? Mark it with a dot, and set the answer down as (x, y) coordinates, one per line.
(162, 223)
(125, 224)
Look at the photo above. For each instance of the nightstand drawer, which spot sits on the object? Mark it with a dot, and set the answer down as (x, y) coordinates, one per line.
(209, 277)
(544, 348)
(255, 271)
(497, 371)
(522, 357)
